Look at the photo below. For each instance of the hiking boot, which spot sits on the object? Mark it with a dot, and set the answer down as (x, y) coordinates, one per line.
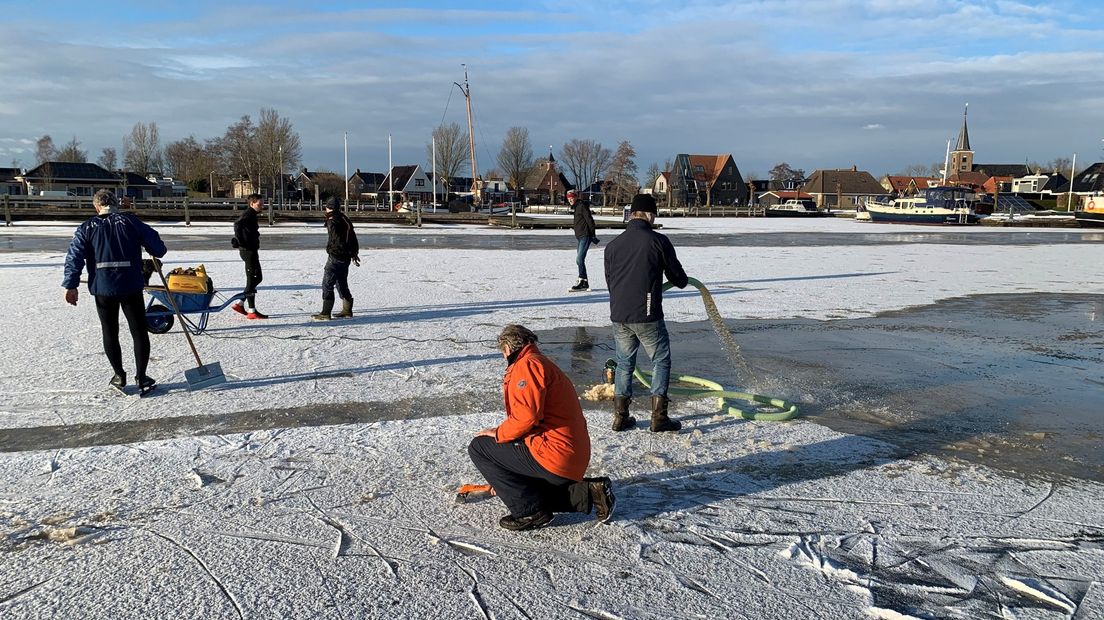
(580, 286)
(255, 314)
(660, 422)
(346, 310)
(601, 497)
(327, 307)
(621, 419)
(540, 518)
(240, 309)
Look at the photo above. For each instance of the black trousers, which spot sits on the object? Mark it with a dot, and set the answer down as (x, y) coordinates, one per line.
(134, 309)
(253, 275)
(336, 274)
(522, 484)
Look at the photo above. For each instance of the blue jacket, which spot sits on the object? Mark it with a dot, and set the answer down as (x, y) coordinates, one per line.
(636, 261)
(111, 246)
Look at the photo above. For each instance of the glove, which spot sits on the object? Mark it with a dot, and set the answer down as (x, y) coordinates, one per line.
(356, 261)
(594, 240)
(234, 243)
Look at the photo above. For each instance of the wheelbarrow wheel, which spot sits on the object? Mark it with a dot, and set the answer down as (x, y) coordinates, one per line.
(159, 324)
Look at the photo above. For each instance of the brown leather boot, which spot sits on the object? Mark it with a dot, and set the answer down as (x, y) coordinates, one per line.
(346, 310)
(621, 419)
(660, 421)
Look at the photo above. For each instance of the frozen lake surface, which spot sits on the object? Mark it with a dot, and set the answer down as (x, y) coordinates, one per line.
(947, 466)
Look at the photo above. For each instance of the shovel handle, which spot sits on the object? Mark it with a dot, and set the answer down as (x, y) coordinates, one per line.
(172, 302)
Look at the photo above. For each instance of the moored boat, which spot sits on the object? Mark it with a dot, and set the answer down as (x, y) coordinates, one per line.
(938, 205)
(794, 208)
(1092, 214)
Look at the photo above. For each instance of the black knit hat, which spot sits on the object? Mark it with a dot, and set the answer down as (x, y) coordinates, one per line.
(333, 202)
(644, 203)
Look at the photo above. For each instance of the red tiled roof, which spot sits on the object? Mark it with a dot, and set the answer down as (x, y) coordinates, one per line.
(899, 183)
(976, 179)
(712, 164)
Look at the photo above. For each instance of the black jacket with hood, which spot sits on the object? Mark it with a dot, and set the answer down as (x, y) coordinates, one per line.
(247, 231)
(342, 243)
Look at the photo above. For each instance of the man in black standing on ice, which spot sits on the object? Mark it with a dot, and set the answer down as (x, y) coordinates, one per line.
(584, 237)
(110, 246)
(636, 262)
(342, 248)
(247, 238)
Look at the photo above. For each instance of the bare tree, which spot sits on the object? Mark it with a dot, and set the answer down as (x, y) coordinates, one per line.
(620, 183)
(108, 159)
(1059, 164)
(142, 149)
(72, 152)
(238, 150)
(651, 175)
(784, 172)
(45, 150)
(585, 160)
(191, 162)
(452, 151)
(916, 170)
(276, 147)
(515, 158)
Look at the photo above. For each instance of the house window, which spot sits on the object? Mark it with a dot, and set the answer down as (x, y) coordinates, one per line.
(419, 182)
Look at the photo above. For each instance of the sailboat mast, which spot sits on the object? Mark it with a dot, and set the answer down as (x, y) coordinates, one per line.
(471, 137)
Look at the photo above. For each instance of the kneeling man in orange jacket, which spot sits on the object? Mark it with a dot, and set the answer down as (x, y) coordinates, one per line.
(535, 459)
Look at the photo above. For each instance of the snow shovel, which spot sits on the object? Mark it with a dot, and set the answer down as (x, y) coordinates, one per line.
(204, 375)
(468, 493)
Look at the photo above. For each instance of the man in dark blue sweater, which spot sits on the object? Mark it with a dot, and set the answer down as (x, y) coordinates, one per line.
(110, 246)
(636, 262)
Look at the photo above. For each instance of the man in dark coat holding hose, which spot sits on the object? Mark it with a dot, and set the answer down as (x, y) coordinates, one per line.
(636, 262)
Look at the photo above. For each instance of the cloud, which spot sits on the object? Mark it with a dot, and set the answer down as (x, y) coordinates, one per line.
(767, 81)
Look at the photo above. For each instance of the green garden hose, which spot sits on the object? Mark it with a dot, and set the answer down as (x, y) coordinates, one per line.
(762, 408)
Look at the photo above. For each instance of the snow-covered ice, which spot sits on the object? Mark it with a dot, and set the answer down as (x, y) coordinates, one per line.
(728, 519)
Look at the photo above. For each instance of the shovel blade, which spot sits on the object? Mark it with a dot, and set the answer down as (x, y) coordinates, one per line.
(204, 376)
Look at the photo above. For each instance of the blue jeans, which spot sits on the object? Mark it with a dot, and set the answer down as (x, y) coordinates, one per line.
(627, 338)
(580, 256)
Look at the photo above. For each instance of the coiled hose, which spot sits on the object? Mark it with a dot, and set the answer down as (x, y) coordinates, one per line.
(731, 402)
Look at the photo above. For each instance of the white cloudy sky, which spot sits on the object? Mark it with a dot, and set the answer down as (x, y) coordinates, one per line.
(817, 83)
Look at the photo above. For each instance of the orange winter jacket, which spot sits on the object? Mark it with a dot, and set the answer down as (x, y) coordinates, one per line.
(543, 409)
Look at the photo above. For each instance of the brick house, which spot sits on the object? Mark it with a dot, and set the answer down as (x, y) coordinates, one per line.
(842, 188)
(705, 180)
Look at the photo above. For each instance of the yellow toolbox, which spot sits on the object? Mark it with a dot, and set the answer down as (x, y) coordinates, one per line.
(188, 280)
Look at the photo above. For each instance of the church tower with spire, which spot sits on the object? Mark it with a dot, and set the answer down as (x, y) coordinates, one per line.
(962, 157)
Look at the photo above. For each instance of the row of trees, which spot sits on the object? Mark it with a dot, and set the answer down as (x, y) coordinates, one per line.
(585, 162)
(1058, 164)
(259, 151)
